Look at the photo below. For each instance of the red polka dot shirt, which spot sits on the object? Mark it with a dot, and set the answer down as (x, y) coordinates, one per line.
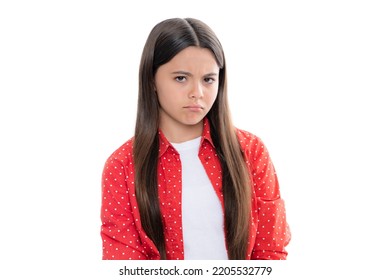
(121, 230)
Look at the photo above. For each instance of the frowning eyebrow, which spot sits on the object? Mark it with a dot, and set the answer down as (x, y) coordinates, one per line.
(185, 73)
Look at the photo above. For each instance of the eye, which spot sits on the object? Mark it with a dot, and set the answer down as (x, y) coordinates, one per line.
(209, 80)
(180, 79)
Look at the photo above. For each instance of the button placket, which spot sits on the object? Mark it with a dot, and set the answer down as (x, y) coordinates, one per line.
(171, 195)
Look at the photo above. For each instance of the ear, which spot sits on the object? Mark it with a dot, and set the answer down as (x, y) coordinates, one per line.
(154, 87)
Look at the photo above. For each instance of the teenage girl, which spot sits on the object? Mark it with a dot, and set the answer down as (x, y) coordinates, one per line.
(189, 185)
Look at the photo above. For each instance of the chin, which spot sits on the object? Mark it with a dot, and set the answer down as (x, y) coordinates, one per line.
(193, 121)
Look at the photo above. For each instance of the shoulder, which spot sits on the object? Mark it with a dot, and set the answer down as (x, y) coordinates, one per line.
(123, 155)
(250, 143)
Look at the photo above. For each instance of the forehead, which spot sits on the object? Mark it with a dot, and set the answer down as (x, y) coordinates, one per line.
(193, 58)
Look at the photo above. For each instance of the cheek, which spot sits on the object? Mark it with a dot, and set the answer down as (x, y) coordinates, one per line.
(167, 90)
(212, 96)
(167, 98)
(162, 98)
(163, 93)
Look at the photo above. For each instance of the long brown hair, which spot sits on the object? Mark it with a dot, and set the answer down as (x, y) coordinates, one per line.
(167, 39)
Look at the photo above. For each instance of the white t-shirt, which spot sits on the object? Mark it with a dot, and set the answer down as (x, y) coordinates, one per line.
(202, 215)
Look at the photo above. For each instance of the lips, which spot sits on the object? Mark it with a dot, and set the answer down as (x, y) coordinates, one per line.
(194, 108)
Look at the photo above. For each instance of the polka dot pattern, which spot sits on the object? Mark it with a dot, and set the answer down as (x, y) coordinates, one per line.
(121, 230)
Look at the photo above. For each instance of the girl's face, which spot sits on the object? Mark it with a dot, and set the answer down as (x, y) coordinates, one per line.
(187, 87)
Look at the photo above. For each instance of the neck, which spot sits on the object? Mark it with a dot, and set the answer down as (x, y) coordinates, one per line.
(182, 133)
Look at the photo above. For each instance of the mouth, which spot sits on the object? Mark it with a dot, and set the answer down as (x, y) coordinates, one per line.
(194, 108)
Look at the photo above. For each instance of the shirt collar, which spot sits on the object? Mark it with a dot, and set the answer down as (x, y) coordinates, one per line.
(165, 144)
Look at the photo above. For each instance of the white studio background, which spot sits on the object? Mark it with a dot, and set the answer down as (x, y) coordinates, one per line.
(311, 78)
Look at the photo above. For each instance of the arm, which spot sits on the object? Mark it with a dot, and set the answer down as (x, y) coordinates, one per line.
(273, 234)
(120, 236)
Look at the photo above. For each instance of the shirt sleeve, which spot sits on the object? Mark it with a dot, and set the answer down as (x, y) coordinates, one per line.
(273, 233)
(120, 236)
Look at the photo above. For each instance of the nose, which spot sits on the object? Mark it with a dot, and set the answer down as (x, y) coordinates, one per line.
(196, 91)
